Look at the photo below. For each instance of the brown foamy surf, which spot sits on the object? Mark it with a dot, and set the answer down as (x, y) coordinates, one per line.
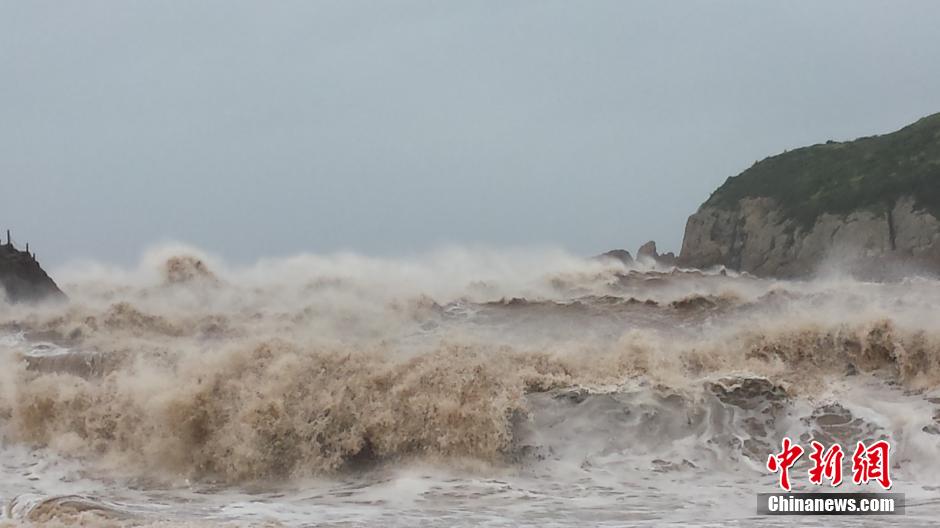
(325, 367)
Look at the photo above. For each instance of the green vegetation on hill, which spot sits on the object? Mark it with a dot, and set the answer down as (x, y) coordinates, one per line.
(838, 178)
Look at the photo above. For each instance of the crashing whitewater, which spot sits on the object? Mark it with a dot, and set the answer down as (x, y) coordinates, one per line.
(459, 387)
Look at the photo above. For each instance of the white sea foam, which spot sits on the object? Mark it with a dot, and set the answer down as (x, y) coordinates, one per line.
(461, 387)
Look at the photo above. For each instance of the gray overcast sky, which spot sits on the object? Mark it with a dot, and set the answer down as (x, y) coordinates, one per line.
(268, 128)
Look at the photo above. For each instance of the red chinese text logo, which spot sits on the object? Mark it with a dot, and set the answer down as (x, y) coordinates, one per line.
(869, 463)
(826, 464)
(782, 462)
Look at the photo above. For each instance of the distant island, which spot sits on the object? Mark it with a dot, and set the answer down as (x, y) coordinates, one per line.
(869, 205)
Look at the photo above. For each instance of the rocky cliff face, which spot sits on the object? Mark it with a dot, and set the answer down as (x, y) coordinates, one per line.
(758, 237)
(868, 206)
(23, 279)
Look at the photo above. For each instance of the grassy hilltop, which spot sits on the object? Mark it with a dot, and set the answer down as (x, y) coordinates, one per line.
(838, 178)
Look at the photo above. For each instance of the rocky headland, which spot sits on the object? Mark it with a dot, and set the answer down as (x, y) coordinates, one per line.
(23, 279)
(869, 206)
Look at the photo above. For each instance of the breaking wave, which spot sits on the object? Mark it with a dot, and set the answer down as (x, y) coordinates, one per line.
(328, 365)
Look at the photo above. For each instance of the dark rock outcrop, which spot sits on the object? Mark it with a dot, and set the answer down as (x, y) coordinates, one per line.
(648, 252)
(22, 278)
(621, 255)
